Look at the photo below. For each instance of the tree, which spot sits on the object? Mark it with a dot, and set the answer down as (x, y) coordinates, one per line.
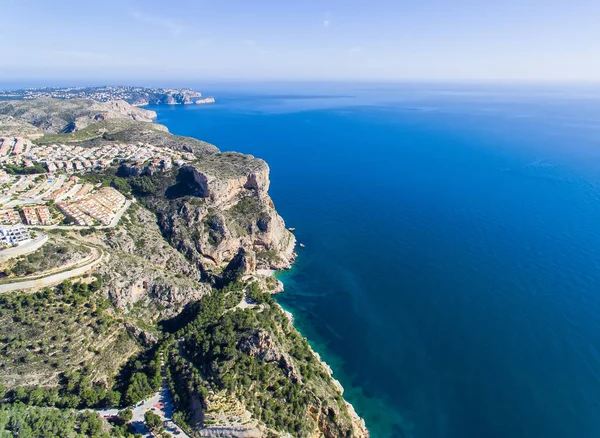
(113, 398)
(138, 388)
(153, 421)
(126, 415)
(90, 423)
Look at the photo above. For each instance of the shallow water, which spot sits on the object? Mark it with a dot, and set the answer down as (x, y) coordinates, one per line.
(451, 269)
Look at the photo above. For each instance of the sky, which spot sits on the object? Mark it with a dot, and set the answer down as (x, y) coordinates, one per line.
(376, 40)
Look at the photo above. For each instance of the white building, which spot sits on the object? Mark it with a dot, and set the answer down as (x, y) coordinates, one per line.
(10, 236)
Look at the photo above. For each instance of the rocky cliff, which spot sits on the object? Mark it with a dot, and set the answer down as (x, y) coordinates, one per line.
(179, 271)
(144, 271)
(219, 205)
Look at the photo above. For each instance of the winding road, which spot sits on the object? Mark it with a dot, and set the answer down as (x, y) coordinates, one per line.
(50, 279)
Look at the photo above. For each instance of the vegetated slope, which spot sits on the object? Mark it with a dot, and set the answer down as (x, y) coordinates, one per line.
(129, 131)
(246, 370)
(57, 115)
(179, 278)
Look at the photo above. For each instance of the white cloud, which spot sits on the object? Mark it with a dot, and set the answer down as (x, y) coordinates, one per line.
(326, 23)
(355, 49)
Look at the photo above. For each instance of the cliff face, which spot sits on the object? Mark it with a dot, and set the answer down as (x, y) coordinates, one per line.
(144, 271)
(217, 208)
(236, 359)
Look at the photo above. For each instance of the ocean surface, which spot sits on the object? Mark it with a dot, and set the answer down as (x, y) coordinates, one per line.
(451, 274)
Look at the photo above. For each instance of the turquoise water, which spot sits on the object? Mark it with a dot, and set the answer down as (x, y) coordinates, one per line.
(451, 274)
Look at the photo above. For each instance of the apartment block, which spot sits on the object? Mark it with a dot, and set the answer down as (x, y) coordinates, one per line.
(43, 214)
(10, 236)
(30, 216)
(9, 217)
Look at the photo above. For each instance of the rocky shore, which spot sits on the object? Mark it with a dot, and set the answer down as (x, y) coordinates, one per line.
(358, 424)
(185, 258)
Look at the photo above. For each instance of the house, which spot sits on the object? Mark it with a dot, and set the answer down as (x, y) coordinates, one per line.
(9, 217)
(43, 214)
(30, 216)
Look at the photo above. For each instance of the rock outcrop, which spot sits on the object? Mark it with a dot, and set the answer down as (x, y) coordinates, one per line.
(221, 204)
(205, 100)
(263, 347)
(144, 270)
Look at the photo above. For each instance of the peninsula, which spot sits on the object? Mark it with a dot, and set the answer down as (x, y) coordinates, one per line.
(133, 298)
(138, 96)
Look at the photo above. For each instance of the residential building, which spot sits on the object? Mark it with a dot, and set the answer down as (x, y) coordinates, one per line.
(9, 217)
(10, 236)
(43, 214)
(30, 216)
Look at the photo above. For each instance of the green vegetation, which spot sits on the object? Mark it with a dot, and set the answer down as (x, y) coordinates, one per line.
(270, 256)
(100, 130)
(69, 347)
(277, 380)
(50, 256)
(108, 179)
(67, 336)
(28, 422)
(153, 422)
(229, 164)
(147, 185)
(247, 214)
(139, 186)
(13, 169)
(126, 415)
(140, 377)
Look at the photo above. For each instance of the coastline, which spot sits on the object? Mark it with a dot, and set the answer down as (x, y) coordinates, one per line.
(359, 429)
(358, 423)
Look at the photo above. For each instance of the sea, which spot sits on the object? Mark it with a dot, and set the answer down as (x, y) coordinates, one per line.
(450, 273)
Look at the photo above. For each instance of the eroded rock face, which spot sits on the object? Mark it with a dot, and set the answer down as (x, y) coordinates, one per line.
(221, 209)
(221, 191)
(144, 268)
(261, 345)
(144, 338)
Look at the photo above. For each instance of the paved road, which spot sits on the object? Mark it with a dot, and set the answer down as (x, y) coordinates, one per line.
(150, 404)
(24, 248)
(53, 278)
(161, 403)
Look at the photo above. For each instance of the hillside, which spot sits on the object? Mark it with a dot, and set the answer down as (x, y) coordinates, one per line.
(61, 116)
(178, 283)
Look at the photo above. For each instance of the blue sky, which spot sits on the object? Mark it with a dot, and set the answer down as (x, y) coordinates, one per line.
(551, 40)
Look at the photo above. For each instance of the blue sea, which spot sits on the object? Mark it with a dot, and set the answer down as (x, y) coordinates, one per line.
(451, 268)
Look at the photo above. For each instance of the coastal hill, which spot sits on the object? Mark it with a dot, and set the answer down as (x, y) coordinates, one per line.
(138, 96)
(61, 116)
(180, 292)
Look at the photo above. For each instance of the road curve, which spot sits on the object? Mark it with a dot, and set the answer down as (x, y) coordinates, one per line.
(52, 279)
